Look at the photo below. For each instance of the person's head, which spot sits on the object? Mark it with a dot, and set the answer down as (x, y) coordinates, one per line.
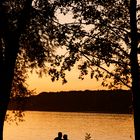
(59, 134)
(65, 137)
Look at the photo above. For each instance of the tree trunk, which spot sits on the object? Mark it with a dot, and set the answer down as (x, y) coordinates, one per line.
(5, 88)
(4, 100)
(9, 54)
(135, 68)
(7, 75)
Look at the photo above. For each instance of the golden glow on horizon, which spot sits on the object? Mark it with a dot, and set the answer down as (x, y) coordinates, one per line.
(45, 83)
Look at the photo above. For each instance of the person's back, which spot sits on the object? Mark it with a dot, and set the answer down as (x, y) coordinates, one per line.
(65, 137)
(59, 136)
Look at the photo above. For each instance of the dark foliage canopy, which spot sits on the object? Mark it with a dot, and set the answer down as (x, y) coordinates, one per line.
(97, 39)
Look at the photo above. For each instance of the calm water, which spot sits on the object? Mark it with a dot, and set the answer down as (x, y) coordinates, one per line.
(45, 126)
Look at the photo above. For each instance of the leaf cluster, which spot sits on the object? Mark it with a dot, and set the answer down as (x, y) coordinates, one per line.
(99, 40)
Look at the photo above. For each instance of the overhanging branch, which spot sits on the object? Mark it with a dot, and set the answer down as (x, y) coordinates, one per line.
(107, 71)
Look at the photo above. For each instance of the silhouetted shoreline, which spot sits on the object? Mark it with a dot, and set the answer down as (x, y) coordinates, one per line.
(101, 101)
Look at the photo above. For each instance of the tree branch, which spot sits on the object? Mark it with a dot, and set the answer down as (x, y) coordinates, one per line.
(108, 72)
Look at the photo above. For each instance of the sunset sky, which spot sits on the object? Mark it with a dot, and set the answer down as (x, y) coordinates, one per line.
(45, 83)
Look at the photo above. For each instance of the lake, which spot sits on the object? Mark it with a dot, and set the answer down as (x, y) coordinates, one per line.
(46, 125)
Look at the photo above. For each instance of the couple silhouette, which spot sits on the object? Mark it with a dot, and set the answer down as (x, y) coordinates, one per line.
(60, 137)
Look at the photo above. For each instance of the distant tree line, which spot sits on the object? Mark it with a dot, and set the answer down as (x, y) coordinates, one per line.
(106, 101)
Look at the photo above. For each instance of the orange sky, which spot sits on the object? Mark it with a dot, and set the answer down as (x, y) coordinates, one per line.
(45, 83)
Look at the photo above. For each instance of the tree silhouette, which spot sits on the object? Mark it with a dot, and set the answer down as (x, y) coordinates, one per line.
(29, 36)
(135, 67)
(105, 43)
